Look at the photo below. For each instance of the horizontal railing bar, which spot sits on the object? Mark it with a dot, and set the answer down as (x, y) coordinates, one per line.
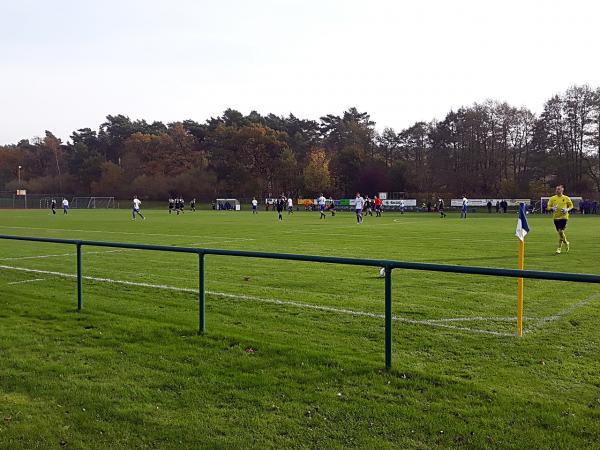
(392, 264)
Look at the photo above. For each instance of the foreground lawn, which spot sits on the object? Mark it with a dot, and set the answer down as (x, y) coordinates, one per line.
(293, 355)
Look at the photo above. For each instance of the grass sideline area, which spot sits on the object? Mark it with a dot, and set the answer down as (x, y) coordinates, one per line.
(293, 356)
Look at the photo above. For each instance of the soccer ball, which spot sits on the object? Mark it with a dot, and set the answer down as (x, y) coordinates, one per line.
(382, 272)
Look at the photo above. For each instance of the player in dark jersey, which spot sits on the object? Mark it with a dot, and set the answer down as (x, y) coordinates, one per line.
(368, 207)
(53, 206)
(332, 206)
(280, 205)
(179, 205)
(193, 204)
(441, 208)
(171, 205)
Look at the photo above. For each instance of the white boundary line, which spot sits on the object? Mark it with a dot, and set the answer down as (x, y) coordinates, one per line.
(482, 319)
(125, 232)
(26, 281)
(18, 258)
(56, 255)
(440, 323)
(431, 323)
(559, 315)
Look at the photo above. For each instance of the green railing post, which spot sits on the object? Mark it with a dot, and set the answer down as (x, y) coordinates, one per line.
(79, 279)
(388, 317)
(201, 327)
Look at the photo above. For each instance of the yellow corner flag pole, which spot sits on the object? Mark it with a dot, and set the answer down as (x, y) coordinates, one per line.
(520, 289)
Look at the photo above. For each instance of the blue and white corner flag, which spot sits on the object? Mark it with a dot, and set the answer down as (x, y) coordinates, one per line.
(522, 225)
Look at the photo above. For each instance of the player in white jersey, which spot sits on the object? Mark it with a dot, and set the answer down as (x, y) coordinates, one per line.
(464, 208)
(359, 202)
(290, 206)
(65, 205)
(136, 208)
(254, 206)
(321, 201)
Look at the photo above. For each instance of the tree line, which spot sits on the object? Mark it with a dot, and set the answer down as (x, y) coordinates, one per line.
(487, 149)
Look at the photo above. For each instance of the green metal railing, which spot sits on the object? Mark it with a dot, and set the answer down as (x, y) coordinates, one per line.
(387, 264)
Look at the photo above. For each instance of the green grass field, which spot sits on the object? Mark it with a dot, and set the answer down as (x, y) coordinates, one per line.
(293, 356)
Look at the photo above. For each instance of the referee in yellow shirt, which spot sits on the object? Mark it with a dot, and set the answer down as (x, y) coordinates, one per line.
(561, 205)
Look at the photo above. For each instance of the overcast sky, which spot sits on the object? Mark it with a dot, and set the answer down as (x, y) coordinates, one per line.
(66, 64)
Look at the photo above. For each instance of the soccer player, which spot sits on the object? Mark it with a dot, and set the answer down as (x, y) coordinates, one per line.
(193, 204)
(560, 204)
(464, 207)
(65, 205)
(378, 202)
(368, 207)
(53, 206)
(441, 208)
(280, 204)
(171, 205)
(136, 208)
(290, 204)
(332, 206)
(254, 205)
(321, 201)
(359, 202)
(401, 206)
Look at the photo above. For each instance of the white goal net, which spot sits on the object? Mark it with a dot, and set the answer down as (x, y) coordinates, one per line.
(92, 202)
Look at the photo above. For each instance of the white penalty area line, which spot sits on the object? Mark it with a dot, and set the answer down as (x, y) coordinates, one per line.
(56, 255)
(26, 281)
(432, 323)
(85, 252)
(559, 315)
(232, 239)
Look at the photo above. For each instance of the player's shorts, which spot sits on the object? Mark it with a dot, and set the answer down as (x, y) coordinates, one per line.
(322, 207)
(254, 207)
(560, 224)
(358, 210)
